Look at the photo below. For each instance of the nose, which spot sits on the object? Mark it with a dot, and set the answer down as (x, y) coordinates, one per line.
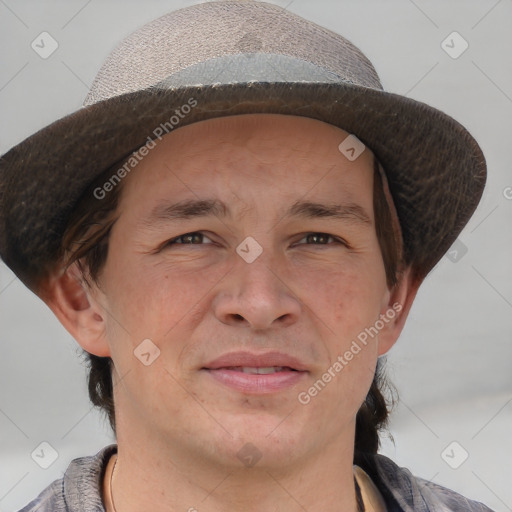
(258, 296)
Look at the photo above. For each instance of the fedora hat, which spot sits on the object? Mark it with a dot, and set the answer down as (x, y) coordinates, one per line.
(227, 58)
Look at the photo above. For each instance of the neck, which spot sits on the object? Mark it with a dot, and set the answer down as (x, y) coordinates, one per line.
(162, 478)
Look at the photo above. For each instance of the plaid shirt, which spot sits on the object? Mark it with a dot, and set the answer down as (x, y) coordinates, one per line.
(80, 488)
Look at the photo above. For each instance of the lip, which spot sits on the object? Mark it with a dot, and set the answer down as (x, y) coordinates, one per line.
(264, 360)
(226, 370)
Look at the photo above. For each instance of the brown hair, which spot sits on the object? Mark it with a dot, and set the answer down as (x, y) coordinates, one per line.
(86, 242)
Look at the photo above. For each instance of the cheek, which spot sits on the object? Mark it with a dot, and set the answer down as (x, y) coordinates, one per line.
(150, 300)
(347, 306)
(347, 299)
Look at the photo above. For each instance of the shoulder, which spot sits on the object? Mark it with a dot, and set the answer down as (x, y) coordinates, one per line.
(79, 490)
(405, 492)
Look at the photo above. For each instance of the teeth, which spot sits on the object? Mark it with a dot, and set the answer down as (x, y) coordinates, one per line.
(260, 371)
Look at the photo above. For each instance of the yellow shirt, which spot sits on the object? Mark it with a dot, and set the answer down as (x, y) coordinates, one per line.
(372, 498)
(107, 490)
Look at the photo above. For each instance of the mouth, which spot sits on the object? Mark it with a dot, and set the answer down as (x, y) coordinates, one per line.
(257, 373)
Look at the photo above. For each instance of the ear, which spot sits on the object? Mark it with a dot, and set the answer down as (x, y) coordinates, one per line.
(396, 310)
(70, 299)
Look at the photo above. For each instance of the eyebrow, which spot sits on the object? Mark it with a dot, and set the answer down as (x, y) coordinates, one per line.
(196, 208)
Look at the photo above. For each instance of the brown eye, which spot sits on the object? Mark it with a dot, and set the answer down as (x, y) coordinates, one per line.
(320, 238)
(194, 238)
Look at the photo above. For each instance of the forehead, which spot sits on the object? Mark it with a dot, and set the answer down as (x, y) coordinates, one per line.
(252, 157)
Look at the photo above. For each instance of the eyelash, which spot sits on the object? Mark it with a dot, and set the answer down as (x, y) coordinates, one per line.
(173, 241)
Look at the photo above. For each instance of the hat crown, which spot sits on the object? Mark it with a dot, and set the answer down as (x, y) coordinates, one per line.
(226, 36)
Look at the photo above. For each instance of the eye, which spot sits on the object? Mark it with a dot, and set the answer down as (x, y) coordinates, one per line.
(321, 239)
(193, 238)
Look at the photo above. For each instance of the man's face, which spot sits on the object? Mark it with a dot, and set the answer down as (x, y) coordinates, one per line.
(217, 309)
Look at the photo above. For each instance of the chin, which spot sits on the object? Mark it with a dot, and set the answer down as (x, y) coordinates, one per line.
(263, 439)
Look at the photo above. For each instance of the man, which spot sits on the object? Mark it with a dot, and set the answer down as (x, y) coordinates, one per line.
(234, 228)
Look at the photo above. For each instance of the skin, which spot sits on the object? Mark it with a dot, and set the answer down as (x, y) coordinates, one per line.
(178, 429)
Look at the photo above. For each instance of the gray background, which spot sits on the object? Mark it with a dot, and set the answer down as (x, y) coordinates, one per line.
(452, 364)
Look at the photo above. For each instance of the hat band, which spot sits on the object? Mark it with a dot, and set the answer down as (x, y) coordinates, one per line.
(249, 67)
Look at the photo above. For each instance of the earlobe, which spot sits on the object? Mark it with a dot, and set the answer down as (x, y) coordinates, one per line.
(397, 310)
(69, 299)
